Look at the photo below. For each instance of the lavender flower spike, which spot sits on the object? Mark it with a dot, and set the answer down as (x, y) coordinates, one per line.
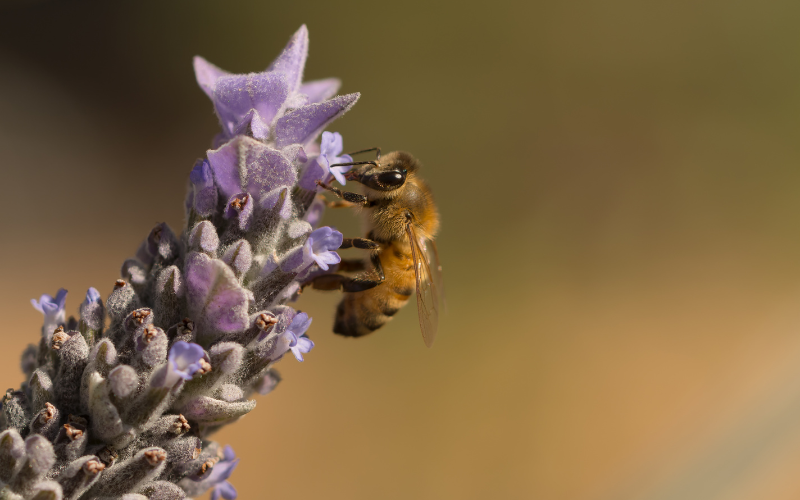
(121, 403)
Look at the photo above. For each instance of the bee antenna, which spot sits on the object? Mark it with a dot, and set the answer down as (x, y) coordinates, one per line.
(354, 163)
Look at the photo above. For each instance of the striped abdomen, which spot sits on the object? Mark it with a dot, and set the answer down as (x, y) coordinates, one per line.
(360, 313)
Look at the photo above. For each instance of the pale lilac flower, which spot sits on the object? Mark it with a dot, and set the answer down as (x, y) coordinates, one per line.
(331, 153)
(184, 361)
(53, 310)
(217, 479)
(299, 344)
(320, 246)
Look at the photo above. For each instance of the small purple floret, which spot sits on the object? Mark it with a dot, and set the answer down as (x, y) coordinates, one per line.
(203, 191)
(53, 310)
(92, 296)
(320, 247)
(330, 152)
(184, 361)
(299, 344)
(217, 479)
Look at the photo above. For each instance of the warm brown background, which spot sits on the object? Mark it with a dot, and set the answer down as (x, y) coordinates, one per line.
(620, 190)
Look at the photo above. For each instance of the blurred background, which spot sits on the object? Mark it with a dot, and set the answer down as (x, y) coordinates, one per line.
(618, 183)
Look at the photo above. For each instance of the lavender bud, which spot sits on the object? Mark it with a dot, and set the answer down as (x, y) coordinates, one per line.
(123, 381)
(128, 475)
(106, 423)
(151, 348)
(203, 191)
(41, 390)
(16, 410)
(71, 441)
(135, 273)
(102, 358)
(230, 393)
(39, 459)
(160, 246)
(12, 454)
(74, 354)
(239, 257)
(211, 411)
(204, 239)
(93, 313)
(45, 422)
(121, 302)
(163, 490)
(168, 296)
(47, 490)
(80, 475)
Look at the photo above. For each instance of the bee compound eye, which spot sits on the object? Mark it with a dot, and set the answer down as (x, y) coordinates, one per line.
(393, 178)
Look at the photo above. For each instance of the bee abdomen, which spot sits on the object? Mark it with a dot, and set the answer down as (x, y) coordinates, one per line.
(356, 317)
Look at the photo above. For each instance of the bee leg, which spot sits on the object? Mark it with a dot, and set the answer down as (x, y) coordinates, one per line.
(344, 283)
(361, 243)
(339, 204)
(351, 265)
(354, 198)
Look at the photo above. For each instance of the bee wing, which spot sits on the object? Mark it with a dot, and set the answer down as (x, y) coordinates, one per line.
(436, 271)
(427, 296)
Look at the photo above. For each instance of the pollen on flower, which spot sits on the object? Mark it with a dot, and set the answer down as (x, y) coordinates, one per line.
(189, 333)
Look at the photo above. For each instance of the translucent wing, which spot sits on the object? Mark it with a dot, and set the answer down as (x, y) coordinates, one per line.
(427, 296)
(436, 271)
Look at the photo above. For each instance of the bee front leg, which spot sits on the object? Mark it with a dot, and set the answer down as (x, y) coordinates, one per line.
(354, 198)
(344, 283)
(335, 281)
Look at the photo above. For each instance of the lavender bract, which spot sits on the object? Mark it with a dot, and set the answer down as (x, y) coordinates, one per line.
(120, 402)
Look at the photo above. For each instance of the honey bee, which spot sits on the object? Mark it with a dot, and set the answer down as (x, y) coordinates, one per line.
(402, 221)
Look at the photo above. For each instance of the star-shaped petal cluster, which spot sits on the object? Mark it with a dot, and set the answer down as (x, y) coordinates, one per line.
(274, 105)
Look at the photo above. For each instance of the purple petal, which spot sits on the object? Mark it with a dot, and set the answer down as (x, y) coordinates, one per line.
(314, 212)
(282, 196)
(303, 125)
(320, 90)
(267, 168)
(297, 354)
(236, 95)
(227, 490)
(327, 258)
(293, 58)
(228, 453)
(304, 344)
(299, 324)
(61, 298)
(207, 75)
(216, 301)
(312, 173)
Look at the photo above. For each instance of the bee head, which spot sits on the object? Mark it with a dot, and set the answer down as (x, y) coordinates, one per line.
(389, 174)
